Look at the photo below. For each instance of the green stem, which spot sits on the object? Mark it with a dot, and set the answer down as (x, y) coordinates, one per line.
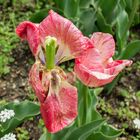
(85, 102)
(50, 52)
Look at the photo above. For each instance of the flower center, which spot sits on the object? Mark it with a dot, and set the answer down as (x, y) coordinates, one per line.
(50, 50)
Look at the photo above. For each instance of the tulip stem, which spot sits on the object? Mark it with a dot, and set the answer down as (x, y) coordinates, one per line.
(85, 102)
(50, 52)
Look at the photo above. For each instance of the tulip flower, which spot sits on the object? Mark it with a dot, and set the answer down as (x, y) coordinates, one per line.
(96, 66)
(56, 40)
(52, 42)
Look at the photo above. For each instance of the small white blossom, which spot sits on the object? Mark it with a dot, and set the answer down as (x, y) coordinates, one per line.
(6, 114)
(137, 123)
(9, 136)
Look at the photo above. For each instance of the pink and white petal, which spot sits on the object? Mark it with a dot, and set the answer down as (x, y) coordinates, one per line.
(29, 31)
(60, 109)
(104, 42)
(90, 77)
(117, 66)
(70, 40)
(35, 80)
(91, 59)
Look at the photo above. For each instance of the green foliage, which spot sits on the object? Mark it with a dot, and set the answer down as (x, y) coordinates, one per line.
(84, 131)
(7, 43)
(8, 38)
(71, 8)
(39, 16)
(23, 111)
(131, 49)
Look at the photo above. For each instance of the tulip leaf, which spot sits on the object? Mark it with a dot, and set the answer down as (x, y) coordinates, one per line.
(71, 8)
(102, 23)
(43, 136)
(85, 3)
(59, 4)
(121, 21)
(131, 50)
(39, 16)
(84, 131)
(106, 132)
(122, 31)
(23, 111)
(108, 8)
(63, 134)
(87, 21)
(94, 113)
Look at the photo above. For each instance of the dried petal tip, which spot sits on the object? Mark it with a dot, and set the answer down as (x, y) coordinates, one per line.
(29, 31)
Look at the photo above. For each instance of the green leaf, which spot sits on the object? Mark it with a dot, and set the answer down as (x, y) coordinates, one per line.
(63, 134)
(131, 50)
(43, 136)
(107, 132)
(87, 21)
(71, 8)
(84, 131)
(102, 23)
(95, 114)
(23, 111)
(121, 21)
(108, 8)
(85, 3)
(122, 27)
(39, 16)
(98, 90)
(59, 4)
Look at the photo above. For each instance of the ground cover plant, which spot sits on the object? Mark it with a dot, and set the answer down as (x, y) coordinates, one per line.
(115, 104)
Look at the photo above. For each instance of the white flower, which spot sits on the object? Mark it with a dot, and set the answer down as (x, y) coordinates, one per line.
(9, 136)
(137, 123)
(6, 114)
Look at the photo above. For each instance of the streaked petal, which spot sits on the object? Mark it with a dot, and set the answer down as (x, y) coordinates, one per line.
(35, 81)
(60, 109)
(70, 40)
(92, 78)
(115, 67)
(104, 42)
(91, 59)
(90, 69)
(29, 31)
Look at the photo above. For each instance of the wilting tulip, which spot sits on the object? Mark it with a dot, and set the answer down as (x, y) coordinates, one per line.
(96, 67)
(53, 41)
(57, 97)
